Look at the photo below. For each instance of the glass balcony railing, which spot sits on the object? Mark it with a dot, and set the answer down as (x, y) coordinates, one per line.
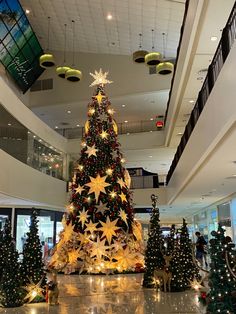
(123, 128)
(22, 144)
(227, 39)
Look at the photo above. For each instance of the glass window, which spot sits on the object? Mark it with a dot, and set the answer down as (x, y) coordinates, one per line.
(45, 225)
(3, 219)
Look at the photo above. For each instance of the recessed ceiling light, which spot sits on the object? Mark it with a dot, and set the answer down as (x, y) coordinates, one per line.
(109, 16)
(27, 11)
(214, 38)
(151, 119)
(9, 124)
(68, 111)
(34, 136)
(77, 125)
(56, 127)
(179, 133)
(150, 131)
(191, 101)
(126, 121)
(123, 106)
(150, 156)
(128, 133)
(233, 175)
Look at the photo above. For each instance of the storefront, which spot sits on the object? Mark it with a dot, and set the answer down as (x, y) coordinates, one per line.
(49, 226)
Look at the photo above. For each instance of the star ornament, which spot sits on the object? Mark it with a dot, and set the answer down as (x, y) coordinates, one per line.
(91, 227)
(97, 185)
(123, 197)
(121, 182)
(99, 248)
(104, 134)
(100, 78)
(33, 290)
(123, 216)
(109, 229)
(83, 217)
(79, 189)
(99, 97)
(91, 151)
(68, 232)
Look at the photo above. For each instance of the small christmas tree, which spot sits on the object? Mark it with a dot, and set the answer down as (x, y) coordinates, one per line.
(190, 269)
(10, 283)
(32, 265)
(221, 282)
(153, 255)
(177, 268)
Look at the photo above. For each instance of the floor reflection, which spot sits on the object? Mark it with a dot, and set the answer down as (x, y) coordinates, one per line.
(117, 294)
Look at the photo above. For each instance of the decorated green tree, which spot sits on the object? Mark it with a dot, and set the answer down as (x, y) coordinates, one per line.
(100, 233)
(178, 282)
(221, 298)
(190, 269)
(32, 269)
(10, 283)
(153, 254)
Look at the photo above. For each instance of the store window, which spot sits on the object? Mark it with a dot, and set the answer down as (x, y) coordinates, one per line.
(225, 218)
(5, 213)
(49, 226)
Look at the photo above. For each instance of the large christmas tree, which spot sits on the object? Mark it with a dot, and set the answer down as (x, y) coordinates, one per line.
(221, 298)
(190, 269)
(11, 293)
(100, 233)
(155, 245)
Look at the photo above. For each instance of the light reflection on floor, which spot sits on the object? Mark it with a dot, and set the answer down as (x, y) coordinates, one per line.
(117, 294)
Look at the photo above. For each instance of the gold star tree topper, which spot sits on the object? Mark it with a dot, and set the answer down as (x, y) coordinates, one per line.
(100, 78)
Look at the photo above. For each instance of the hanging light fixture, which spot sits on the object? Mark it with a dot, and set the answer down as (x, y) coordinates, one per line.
(61, 70)
(139, 55)
(164, 67)
(73, 75)
(153, 58)
(47, 59)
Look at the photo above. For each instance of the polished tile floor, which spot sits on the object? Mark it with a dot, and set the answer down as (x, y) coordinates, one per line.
(117, 294)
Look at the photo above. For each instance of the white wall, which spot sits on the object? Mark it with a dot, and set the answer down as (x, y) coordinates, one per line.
(13, 104)
(216, 119)
(21, 181)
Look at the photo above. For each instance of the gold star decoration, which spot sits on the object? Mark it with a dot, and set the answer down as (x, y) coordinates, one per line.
(70, 208)
(33, 290)
(111, 111)
(126, 258)
(83, 217)
(73, 256)
(123, 216)
(79, 189)
(91, 227)
(91, 111)
(99, 97)
(101, 208)
(104, 134)
(196, 285)
(99, 248)
(97, 185)
(108, 228)
(68, 232)
(137, 230)
(121, 182)
(100, 78)
(112, 194)
(91, 150)
(83, 238)
(123, 197)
